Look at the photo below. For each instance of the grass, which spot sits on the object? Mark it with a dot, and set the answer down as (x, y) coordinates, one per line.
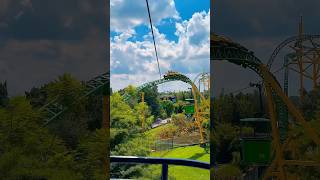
(182, 172)
(178, 172)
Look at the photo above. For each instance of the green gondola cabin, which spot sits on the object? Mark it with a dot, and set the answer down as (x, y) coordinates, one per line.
(189, 107)
(256, 141)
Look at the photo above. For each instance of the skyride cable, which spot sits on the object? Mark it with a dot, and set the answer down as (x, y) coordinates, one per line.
(154, 42)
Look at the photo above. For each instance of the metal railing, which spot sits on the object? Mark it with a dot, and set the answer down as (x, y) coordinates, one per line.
(164, 161)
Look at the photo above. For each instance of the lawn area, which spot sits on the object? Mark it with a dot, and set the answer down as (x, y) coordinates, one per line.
(182, 172)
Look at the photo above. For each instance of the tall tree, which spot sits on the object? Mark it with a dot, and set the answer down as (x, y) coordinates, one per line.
(37, 96)
(3, 94)
(133, 94)
(151, 98)
(73, 124)
(168, 106)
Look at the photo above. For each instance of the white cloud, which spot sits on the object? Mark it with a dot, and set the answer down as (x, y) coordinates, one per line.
(126, 14)
(135, 62)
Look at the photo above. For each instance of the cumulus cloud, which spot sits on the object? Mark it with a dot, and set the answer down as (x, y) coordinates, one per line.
(135, 62)
(128, 14)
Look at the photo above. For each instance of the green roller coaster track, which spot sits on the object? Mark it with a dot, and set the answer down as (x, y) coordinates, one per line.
(225, 49)
(165, 79)
(99, 84)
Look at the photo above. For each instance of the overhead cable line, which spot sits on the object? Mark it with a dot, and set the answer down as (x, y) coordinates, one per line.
(242, 89)
(154, 42)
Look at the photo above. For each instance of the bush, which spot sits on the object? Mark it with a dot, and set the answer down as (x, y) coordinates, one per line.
(228, 170)
(170, 131)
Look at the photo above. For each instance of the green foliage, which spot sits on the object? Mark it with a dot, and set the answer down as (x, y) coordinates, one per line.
(73, 124)
(134, 96)
(182, 95)
(183, 124)
(135, 147)
(94, 112)
(3, 95)
(178, 107)
(68, 91)
(170, 131)
(37, 96)
(225, 141)
(125, 134)
(142, 111)
(92, 155)
(151, 98)
(122, 116)
(123, 121)
(178, 119)
(228, 170)
(28, 150)
(310, 105)
(230, 108)
(168, 107)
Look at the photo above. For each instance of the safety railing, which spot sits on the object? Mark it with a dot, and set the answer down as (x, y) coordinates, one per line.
(163, 161)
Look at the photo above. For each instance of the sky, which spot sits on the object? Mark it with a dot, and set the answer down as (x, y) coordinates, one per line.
(182, 38)
(260, 26)
(42, 39)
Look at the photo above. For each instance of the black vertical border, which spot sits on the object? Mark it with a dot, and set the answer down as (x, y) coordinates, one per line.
(212, 157)
(106, 4)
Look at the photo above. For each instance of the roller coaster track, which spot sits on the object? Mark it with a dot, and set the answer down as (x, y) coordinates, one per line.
(224, 49)
(288, 41)
(54, 109)
(278, 103)
(98, 84)
(301, 49)
(165, 79)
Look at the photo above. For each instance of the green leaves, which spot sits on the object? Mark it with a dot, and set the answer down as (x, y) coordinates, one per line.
(68, 91)
(168, 106)
(121, 114)
(27, 149)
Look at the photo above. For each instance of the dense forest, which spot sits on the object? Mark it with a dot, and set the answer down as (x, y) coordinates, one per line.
(72, 147)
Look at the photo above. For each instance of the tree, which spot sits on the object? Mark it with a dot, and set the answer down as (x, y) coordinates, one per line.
(133, 94)
(37, 96)
(143, 113)
(73, 124)
(168, 106)
(151, 98)
(92, 154)
(178, 107)
(310, 103)
(225, 141)
(3, 94)
(122, 116)
(125, 136)
(29, 151)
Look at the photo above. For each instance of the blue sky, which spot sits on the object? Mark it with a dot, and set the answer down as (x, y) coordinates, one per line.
(182, 36)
